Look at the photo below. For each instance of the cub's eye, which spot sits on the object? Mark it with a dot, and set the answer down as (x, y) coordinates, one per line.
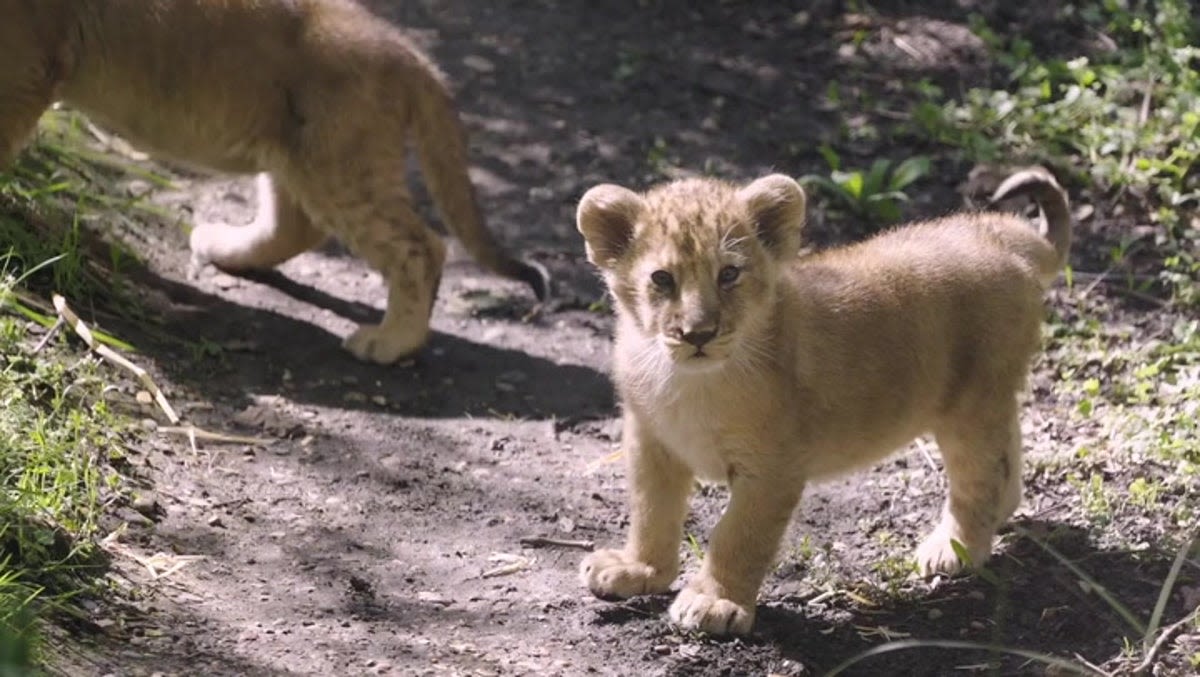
(662, 279)
(729, 274)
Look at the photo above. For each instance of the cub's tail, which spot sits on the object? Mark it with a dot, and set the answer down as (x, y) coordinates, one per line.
(1051, 199)
(442, 151)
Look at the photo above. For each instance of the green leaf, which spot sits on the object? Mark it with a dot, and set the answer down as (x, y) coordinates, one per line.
(851, 182)
(876, 177)
(909, 171)
(831, 157)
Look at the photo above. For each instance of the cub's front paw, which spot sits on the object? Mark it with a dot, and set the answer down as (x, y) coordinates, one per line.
(937, 554)
(612, 574)
(696, 609)
(383, 345)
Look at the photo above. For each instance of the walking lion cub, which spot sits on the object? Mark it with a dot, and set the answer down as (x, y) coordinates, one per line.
(319, 95)
(739, 361)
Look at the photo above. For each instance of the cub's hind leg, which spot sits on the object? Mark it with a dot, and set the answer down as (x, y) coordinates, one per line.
(373, 215)
(982, 454)
(281, 229)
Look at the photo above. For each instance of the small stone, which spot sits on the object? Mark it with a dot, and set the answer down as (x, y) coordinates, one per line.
(215, 522)
(662, 649)
(935, 614)
(478, 64)
(430, 597)
(149, 425)
(147, 505)
(144, 397)
(514, 376)
(225, 281)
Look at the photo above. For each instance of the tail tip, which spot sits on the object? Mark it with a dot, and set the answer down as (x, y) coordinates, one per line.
(1025, 179)
(537, 277)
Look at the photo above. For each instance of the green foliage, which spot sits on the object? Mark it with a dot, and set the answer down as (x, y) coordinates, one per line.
(18, 633)
(57, 188)
(874, 195)
(58, 436)
(1128, 120)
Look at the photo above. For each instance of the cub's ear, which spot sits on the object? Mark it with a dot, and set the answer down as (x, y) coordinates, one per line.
(776, 203)
(606, 218)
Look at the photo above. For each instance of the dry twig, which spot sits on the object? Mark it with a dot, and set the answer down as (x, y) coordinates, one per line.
(67, 315)
(546, 542)
(1166, 634)
(193, 433)
(50, 334)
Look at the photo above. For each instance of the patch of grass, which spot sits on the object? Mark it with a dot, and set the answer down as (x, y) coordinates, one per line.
(1137, 453)
(1125, 121)
(695, 548)
(59, 439)
(59, 189)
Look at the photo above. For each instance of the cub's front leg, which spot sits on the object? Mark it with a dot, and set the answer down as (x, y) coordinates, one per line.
(658, 492)
(720, 599)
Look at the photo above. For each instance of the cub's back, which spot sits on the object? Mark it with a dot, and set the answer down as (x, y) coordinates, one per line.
(223, 83)
(911, 317)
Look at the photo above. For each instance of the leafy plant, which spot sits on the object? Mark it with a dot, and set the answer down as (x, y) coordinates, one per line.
(1127, 120)
(874, 195)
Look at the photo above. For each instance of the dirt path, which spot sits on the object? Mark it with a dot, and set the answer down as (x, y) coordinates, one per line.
(358, 540)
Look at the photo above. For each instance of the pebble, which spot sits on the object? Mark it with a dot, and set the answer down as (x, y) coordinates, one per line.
(146, 504)
(478, 64)
(433, 598)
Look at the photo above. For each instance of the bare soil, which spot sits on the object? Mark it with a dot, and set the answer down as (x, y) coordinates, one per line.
(379, 531)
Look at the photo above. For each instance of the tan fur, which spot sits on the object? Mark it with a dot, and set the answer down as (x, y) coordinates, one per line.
(318, 94)
(805, 367)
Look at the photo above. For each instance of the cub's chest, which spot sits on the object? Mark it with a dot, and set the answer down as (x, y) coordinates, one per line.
(701, 433)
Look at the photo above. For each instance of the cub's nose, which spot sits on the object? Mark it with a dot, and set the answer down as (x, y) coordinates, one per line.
(699, 337)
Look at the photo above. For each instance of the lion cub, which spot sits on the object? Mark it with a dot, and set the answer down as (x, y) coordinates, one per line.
(319, 95)
(739, 361)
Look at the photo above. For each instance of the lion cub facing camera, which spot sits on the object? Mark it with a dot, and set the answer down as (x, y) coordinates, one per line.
(739, 361)
(319, 95)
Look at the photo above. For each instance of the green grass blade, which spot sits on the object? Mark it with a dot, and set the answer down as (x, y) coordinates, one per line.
(1165, 594)
(1116, 605)
(962, 645)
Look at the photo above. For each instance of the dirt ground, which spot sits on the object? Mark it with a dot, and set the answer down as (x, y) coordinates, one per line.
(379, 532)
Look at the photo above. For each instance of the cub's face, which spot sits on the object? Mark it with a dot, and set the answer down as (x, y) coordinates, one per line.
(693, 264)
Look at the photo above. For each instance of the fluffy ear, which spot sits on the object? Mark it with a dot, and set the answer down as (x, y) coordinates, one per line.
(606, 217)
(776, 203)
